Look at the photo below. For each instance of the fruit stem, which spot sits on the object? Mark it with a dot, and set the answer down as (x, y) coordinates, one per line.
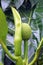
(26, 51)
(30, 17)
(37, 53)
(7, 52)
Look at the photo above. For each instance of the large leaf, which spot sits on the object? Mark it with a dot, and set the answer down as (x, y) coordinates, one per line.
(18, 3)
(39, 8)
(39, 16)
(5, 4)
(37, 23)
(3, 26)
(33, 2)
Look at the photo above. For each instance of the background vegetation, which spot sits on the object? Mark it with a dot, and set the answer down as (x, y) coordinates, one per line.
(31, 12)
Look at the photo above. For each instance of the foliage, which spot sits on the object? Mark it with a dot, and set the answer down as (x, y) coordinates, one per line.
(31, 12)
(3, 26)
(1, 63)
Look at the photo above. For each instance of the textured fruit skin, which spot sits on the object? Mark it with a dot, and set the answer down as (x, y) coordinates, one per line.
(26, 31)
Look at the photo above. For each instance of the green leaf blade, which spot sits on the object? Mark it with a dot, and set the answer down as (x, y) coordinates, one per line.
(3, 26)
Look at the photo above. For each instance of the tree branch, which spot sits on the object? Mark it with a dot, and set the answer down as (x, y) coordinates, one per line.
(7, 51)
(37, 53)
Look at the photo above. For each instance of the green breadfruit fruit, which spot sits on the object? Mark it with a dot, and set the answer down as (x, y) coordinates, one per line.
(26, 31)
